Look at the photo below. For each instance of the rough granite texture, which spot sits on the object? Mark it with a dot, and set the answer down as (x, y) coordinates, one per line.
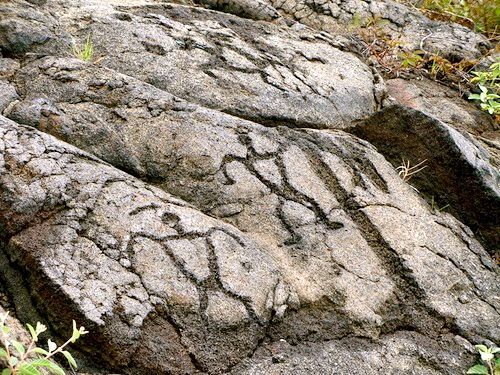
(267, 73)
(130, 260)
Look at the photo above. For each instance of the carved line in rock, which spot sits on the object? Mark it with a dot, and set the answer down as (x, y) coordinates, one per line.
(409, 291)
(213, 281)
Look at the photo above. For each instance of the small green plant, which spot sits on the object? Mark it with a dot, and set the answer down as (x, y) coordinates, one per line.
(489, 365)
(412, 59)
(20, 360)
(479, 15)
(490, 77)
(489, 84)
(85, 52)
(488, 100)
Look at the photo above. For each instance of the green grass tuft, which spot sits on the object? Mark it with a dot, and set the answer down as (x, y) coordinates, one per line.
(85, 52)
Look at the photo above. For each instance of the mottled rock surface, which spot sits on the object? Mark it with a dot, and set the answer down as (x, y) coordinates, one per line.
(267, 73)
(460, 173)
(191, 195)
(402, 22)
(145, 272)
(7, 95)
(403, 353)
(443, 103)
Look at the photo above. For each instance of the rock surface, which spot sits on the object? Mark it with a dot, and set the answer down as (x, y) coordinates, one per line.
(402, 22)
(458, 172)
(442, 103)
(143, 271)
(403, 352)
(267, 73)
(193, 198)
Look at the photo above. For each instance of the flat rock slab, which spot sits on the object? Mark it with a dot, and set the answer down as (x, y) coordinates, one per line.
(145, 272)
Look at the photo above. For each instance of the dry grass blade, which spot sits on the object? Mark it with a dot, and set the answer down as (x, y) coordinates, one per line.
(406, 171)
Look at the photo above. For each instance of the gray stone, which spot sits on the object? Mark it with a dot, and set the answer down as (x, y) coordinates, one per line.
(23, 26)
(329, 196)
(443, 103)
(459, 171)
(254, 9)
(259, 71)
(8, 67)
(8, 94)
(166, 301)
(399, 353)
(209, 213)
(401, 22)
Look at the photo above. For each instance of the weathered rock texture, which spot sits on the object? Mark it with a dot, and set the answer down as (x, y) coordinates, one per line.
(403, 353)
(458, 172)
(191, 196)
(402, 22)
(453, 41)
(263, 72)
(145, 272)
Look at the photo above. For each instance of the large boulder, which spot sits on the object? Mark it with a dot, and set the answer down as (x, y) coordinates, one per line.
(268, 73)
(460, 174)
(360, 253)
(153, 195)
(161, 287)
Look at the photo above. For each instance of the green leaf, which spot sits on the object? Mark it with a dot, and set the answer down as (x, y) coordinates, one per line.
(77, 332)
(52, 345)
(28, 369)
(13, 361)
(33, 333)
(41, 351)
(483, 89)
(478, 370)
(3, 353)
(486, 356)
(40, 328)
(19, 347)
(5, 329)
(70, 359)
(51, 366)
(6, 371)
